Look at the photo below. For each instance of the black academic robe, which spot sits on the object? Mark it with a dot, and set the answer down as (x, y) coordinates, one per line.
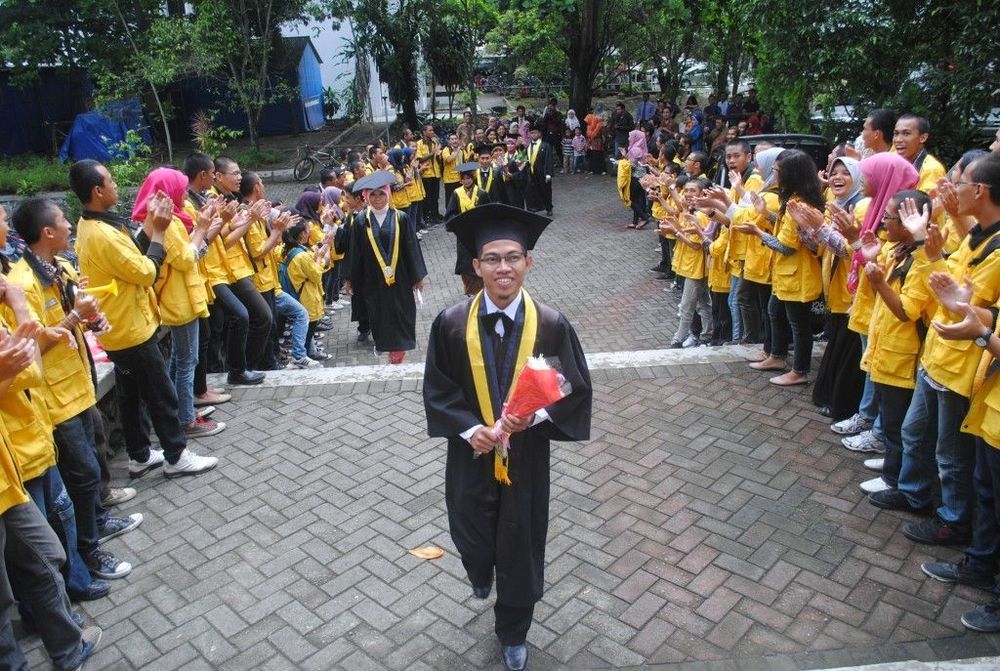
(495, 192)
(391, 310)
(514, 183)
(538, 192)
(496, 526)
(463, 259)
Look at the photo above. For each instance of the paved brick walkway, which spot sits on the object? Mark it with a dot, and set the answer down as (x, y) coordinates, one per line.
(712, 522)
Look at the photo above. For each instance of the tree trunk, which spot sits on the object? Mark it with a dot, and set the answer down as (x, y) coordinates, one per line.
(433, 95)
(584, 54)
(410, 112)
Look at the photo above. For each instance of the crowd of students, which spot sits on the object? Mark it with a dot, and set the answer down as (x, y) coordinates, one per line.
(905, 257)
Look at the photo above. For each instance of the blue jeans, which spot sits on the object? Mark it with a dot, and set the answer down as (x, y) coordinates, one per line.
(293, 312)
(984, 553)
(33, 556)
(81, 473)
(936, 417)
(180, 368)
(734, 308)
(868, 407)
(50, 495)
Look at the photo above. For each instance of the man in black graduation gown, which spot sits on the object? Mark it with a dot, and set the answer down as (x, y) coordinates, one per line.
(538, 186)
(472, 356)
(488, 177)
(342, 244)
(463, 199)
(387, 266)
(514, 172)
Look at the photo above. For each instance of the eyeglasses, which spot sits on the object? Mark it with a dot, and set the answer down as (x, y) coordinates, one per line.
(233, 174)
(888, 217)
(494, 260)
(961, 183)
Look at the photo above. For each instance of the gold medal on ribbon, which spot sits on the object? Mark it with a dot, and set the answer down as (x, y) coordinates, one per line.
(388, 272)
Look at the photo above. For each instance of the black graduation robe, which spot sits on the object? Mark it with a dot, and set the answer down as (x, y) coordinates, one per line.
(513, 182)
(538, 192)
(391, 310)
(463, 259)
(495, 192)
(495, 525)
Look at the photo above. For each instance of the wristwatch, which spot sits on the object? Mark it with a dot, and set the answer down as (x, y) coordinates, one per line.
(983, 340)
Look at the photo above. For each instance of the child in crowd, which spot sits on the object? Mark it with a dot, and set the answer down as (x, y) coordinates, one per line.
(689, 262)
(301, 277)
(579, 150)
(567, 151)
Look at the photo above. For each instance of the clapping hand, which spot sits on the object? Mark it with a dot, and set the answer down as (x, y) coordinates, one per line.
(804, 215)
(875, 273)
(17, 349)
(947, 195)
(159, 212)
(950, 293)
(844, 221)
(970, 327)
(870, 247)
(758, 203)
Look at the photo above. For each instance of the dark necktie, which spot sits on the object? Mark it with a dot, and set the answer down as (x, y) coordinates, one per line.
(500, 344)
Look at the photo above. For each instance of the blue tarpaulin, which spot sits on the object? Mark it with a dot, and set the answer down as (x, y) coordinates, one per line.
(98, 135)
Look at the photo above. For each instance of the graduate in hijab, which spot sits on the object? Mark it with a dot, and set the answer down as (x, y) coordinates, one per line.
(386, 264)
(476, 349)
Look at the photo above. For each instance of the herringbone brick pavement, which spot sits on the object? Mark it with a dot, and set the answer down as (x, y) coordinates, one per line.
(712, 522)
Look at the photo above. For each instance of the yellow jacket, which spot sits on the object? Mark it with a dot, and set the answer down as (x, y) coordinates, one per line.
(431, 165)
(836, 269)
(737, 240)
(796, 277)
(11, 486)
(210, 265)
(718, 263)
(180, 288)
(758, 259)
(451, 157)
(687, 261)
(68, 384)
(307, 276)
(25, 419)
(953, 363)
(983, 419)
(401, 195)
(108, 253)
(931, 171)
(893, 345)
(266, 277)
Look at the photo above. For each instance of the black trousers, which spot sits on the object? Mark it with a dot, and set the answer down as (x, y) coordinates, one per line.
(752, 298)
(141, 380)
(268, 360)
(512, 623)
(432, 185)
(722, 319)
(794, 317)
(261, 322)
(449, 188)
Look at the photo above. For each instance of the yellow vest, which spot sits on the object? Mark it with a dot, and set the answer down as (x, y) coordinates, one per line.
(180, 288)
(69, 388)
(107, 253)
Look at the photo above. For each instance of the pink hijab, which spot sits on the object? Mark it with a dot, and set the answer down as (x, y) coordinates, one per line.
(885, 174)
(637, 150)
(170, 181)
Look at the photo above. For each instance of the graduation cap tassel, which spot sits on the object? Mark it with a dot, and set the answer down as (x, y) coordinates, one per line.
(500, 462)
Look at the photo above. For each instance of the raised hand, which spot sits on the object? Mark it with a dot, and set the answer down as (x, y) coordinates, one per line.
(970, 327)
(844, 221)
(758, 203)
(914, 219)
(804, 215)
(85, 306)
(947, 195)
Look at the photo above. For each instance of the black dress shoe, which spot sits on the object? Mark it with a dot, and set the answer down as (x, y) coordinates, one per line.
(97, 589)
(246, 377)
(363, 337)
(826, 411)
(515, 657)
(482, 592)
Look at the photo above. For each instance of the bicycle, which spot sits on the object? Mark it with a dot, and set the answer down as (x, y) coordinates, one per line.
(306, 166)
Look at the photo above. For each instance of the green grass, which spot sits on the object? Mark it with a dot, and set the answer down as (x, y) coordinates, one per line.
(254, 159)
(28, 175)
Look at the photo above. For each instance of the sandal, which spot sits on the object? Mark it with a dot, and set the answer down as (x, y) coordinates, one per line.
(641, 224)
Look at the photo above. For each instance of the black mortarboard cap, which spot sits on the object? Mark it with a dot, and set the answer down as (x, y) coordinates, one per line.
(376, 180)
(471, 166)
(496, 221)
(487, 148)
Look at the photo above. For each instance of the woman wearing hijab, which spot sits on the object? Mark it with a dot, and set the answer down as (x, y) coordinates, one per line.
(840, 380)
(636, 155)
(386, 264)
(572, 123)
(330, 198)
(180, 291)
(754, 289)
(307, 207)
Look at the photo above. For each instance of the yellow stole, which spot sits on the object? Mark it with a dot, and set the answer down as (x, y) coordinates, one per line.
(388, 269)
(533, 152)
(474, 349)
(479, 180)
(465, 201)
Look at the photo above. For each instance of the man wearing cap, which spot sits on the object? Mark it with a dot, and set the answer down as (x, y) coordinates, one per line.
(386, 264)
(463, 199)
(514, 162)
(498, 508)
(538, 189)
(488, 177)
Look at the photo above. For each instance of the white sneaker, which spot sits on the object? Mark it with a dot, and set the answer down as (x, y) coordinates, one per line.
(335, 306)
(137, 469)
(852, 425)
(304, 362)
(874, 464)
(691, 341)
(866, 441)
(874, 485)
(345, 301)
(189, 464)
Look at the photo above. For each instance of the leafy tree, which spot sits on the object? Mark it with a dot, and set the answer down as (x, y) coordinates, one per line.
(446, 55)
